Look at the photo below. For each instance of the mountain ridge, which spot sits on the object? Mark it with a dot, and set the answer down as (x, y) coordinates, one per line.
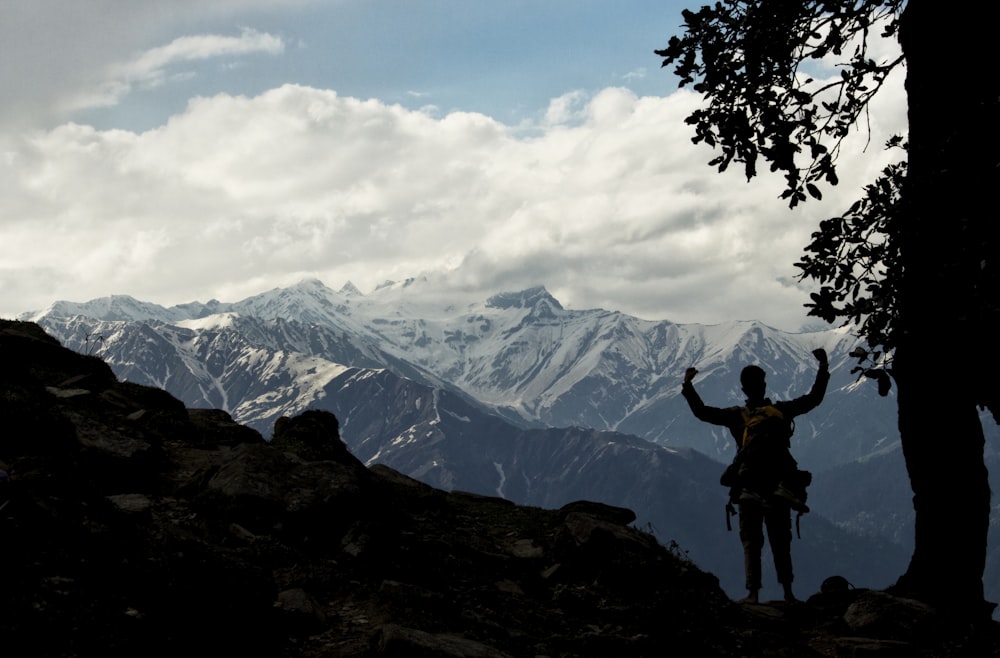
(523, 355)
(399, 369)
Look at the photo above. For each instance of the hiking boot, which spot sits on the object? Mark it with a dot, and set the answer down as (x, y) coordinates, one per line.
(787, 495)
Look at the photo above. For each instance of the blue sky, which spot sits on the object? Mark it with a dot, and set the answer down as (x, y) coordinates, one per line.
(505, 59)
(186, 150)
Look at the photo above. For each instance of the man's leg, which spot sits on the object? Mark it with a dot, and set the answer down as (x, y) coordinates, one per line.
(752, 537)
(779, 533)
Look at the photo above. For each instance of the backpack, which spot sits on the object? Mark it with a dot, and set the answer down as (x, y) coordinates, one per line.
(764, 466)
(765, 427)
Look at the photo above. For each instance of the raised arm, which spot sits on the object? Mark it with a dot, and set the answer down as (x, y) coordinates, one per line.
(814, 397)
(728, 417)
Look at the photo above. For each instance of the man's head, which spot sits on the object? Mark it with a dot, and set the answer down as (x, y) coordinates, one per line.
(752, 379)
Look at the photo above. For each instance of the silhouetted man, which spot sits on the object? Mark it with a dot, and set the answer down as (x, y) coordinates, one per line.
(762, 430)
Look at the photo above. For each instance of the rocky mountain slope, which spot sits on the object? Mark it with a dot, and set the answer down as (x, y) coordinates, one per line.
(430, 392)
(135, 526)
(444, 440)
(435, 388)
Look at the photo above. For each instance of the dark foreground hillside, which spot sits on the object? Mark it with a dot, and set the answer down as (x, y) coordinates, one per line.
(133, 526)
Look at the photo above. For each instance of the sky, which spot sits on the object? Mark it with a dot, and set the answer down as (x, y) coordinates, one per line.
(186, 151)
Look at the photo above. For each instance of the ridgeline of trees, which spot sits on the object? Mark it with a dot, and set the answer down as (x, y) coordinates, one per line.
(915, 258)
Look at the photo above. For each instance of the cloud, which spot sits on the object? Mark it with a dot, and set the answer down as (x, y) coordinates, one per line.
(607, 203)
(638, 74)
(184, 49)
(565, 108)
(151, 68)
(57, 54)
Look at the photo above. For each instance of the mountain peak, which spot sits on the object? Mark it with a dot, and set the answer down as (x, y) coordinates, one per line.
(110, 308)
(307, 301)
(310, 284)
(528, 298)
(350, 290)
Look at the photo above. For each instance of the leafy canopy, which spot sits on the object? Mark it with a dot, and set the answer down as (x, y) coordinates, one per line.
(749, 58)
(746, 57)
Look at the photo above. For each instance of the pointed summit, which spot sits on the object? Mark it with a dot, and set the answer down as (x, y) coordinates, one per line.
(307, 301)
(524, 299)
(310, 284)
(350, 290)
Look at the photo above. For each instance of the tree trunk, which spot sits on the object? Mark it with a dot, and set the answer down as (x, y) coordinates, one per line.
(943, 447)
(946, 245)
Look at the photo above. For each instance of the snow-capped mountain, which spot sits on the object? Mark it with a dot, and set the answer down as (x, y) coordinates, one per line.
(520, 354)
(519, 397)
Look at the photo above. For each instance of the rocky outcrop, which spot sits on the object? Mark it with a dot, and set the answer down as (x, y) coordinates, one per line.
(133, 526)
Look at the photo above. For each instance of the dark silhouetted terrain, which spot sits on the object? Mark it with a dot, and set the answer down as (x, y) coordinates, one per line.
(134, 526)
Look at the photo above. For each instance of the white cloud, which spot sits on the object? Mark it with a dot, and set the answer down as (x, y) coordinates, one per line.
(57, 55)
(184, 49)
(565, 108)
(608, 205)
(150, 69)
(638, 74)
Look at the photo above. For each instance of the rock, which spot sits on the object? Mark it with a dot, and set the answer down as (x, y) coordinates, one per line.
(883, 615)
(264, 489)
(394, 641)
(131, 503)
(603, 511)
(300, 610)
(526, 548)
(215, 427)
(313, 435)
(110, 442)
(866, 647)
(66, 392)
